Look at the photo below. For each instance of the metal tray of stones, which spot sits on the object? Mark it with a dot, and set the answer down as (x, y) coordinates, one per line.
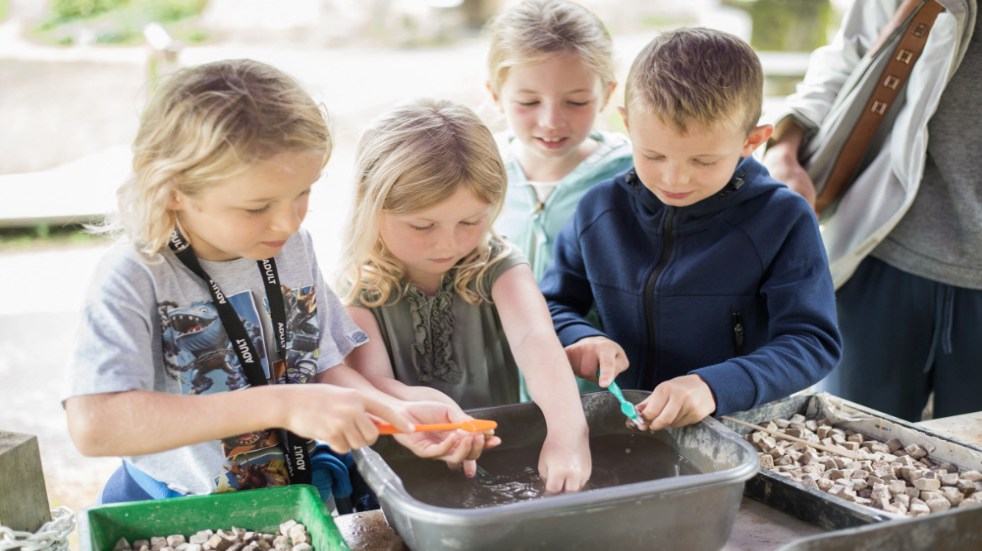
(834, 513)
(672, 510)
(953, 530)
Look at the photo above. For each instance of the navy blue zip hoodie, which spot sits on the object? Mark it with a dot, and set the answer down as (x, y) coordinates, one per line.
(735, 288)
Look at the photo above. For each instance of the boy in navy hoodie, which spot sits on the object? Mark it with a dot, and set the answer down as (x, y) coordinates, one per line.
(709, 276)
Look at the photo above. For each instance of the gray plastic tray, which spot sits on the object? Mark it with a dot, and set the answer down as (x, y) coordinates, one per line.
(692, 512)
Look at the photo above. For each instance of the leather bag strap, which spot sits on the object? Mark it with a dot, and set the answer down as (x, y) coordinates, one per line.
(891, 83)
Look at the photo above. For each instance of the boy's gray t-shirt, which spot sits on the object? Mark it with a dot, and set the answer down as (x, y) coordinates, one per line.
(153, 327)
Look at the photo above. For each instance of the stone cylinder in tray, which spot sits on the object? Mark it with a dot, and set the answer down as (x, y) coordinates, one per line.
(901, 469)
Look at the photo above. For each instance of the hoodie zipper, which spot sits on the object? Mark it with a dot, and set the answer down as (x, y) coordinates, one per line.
(649, 295)
(736, 319)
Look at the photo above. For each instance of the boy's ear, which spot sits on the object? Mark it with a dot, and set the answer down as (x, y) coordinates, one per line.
(623, 112)
(758, 137)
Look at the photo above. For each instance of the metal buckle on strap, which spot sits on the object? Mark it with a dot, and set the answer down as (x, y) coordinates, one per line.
(891, 82)
(879, 107)
(905, 56)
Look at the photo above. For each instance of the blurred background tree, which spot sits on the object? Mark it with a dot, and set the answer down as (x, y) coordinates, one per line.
(71, 22)
(788, 25)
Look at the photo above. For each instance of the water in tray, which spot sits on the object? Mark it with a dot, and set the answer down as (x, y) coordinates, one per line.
(617, 459)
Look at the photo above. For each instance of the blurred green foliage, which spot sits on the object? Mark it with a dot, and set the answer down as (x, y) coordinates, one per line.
(119, 21)
(4, 9)
(45, 235)
(66, 10)
(788, 25)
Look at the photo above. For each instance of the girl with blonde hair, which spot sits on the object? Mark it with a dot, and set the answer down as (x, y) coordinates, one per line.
(452, 311)
(214, 288)
(551, 72)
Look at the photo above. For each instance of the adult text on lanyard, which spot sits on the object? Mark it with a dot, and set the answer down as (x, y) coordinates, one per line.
(295, 453)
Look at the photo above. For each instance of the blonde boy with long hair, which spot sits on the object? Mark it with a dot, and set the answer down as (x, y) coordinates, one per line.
(224, 162)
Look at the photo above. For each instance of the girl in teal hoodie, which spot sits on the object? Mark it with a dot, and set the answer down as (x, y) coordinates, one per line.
(551, 74)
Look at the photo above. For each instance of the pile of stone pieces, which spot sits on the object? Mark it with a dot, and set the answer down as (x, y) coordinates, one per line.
(291, 537)
(888, 476)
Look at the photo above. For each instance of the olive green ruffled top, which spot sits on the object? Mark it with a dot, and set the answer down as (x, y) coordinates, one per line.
(446, 343)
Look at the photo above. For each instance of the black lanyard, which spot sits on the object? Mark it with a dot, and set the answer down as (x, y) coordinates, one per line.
(295, 453)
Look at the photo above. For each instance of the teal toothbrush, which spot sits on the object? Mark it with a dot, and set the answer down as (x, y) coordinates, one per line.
(627, 408)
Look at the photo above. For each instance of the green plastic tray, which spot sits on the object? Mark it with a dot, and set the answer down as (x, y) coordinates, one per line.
(258, 510)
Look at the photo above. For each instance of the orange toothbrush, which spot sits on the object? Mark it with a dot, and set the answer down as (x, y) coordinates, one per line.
(474, 425)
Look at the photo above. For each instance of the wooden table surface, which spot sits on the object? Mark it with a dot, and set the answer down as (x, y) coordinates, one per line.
(757, 527)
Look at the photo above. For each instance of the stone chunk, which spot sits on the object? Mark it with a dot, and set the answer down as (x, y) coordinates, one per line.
(286, 526)
(949, 479)
(219, 543)
(175, 540)
(896, 487)
(966, 487)
(859, 474)
(927, 484)
(939, 504)
(783, 460)
(122, 545)
(952, 495)
(902, 499)
(973, 476)
(282, 543)
(894, 445)
(916, 451)
(880, 491)
(917, 509)
(766, 461)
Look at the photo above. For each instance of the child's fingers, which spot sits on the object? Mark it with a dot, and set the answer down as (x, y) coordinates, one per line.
(607, 370)
(667, 416)
(476, 446)
(388, 414)
(470, 468)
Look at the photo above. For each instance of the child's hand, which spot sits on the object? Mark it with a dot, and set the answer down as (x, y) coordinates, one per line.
(564, 463)
(677, 402)
(454, 447)
(585, 355)
(337, 415)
